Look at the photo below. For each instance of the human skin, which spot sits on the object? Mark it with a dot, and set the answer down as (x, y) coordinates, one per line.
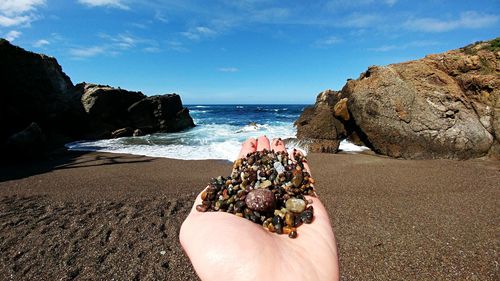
(222, 246)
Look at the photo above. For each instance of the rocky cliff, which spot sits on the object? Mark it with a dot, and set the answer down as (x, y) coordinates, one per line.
(40, 107)
(442, 106)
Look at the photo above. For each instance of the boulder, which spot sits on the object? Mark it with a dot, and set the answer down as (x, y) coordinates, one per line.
(318, 125)
(29, 142)
(106, 108)
(163, 113)
(442, 106)
(35, 89)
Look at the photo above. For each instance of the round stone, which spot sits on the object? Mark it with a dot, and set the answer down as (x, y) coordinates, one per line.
(295, 205)
(260, 200)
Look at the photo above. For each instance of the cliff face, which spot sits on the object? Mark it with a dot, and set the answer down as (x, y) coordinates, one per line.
(40, 106)
(442, 106)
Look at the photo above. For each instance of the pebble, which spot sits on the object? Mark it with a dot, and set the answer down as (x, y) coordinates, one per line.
(279, 167)
(261, 200)
(295, 205)
(297, 180)
(265, 184)
(265, 187)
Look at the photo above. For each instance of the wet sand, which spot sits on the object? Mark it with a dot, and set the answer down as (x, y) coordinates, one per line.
(99, 216)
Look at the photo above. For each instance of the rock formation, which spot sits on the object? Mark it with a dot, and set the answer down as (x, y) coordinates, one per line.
(39, 101)
(442, 106)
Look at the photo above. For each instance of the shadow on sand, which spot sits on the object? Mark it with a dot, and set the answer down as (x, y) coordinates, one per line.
(11, 170)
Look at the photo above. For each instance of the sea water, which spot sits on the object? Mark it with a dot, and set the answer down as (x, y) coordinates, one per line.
(219, 132)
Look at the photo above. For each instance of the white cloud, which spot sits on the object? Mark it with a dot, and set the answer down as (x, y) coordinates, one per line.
(177, 46)
(327, 42)
(81, 53)
(16, 7)
(12, 35)
(360, 20)
(41, 43)
(18, 12)
(337, 4)
(467, 20)
(228, 69)
(159, 16)
(199, 32)
(413, 44)
(105, 3)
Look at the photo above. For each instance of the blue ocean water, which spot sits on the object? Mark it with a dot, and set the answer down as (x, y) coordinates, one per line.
(219, 132)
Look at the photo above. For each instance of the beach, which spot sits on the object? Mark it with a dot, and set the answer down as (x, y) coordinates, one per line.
(90, 216)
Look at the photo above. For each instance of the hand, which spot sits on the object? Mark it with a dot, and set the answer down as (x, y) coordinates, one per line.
(222, 246)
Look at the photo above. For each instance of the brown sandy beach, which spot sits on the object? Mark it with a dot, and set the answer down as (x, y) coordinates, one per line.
(99, 216)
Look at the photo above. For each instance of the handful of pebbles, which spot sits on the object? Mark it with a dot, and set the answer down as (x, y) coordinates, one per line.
(267, 188)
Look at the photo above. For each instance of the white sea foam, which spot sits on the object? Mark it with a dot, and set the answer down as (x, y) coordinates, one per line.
(348, 146)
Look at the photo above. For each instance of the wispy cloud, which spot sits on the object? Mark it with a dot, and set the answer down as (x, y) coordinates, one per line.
(41, 43)
(12, 35)
(467, 20)
(105, 3)
(177, 46)
(228, 69)
(159, 16)
(341, 4)
(359, 20)
(199, 32)
(327, 42)
(413, 44)
(88, 52)
(18, 12)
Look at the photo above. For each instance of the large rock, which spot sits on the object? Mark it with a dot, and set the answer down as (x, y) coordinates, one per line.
(442, 106)
(318, 125)
(116, 112)
(29, 142)
(163, 113)
(106, 108)
(35, 89)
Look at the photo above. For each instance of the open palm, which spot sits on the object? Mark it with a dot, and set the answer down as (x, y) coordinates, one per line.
(222, 246)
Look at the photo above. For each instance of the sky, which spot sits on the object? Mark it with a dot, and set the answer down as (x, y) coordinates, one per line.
(240, 52)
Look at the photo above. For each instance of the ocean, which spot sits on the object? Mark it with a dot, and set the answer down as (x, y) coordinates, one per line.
(219, 132)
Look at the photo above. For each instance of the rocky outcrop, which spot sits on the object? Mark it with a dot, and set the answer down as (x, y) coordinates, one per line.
(319, 127)
(35, 89)
(118, 113)
(39, 101)
(442, 106)
(160, 113)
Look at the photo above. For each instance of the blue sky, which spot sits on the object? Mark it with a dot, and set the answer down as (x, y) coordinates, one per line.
(248, 51)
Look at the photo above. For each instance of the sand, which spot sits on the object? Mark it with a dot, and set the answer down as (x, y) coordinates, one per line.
(99, 216)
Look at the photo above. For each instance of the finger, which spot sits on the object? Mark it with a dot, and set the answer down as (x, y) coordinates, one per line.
(263, 143)
(249, 146)
(278, 145)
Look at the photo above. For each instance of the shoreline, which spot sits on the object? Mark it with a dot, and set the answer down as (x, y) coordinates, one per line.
(104, 215)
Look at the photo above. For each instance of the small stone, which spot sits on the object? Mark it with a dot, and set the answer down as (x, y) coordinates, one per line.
(295, 205)
(289, 219)
(279, 167)
(279, 228)
(265, 184)
(277, 220)
(293, 234)
(287, 229)
(162, 253)
(307, 216)
(237, 163)
(297, 180)
(261, 200)
(201, 208)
